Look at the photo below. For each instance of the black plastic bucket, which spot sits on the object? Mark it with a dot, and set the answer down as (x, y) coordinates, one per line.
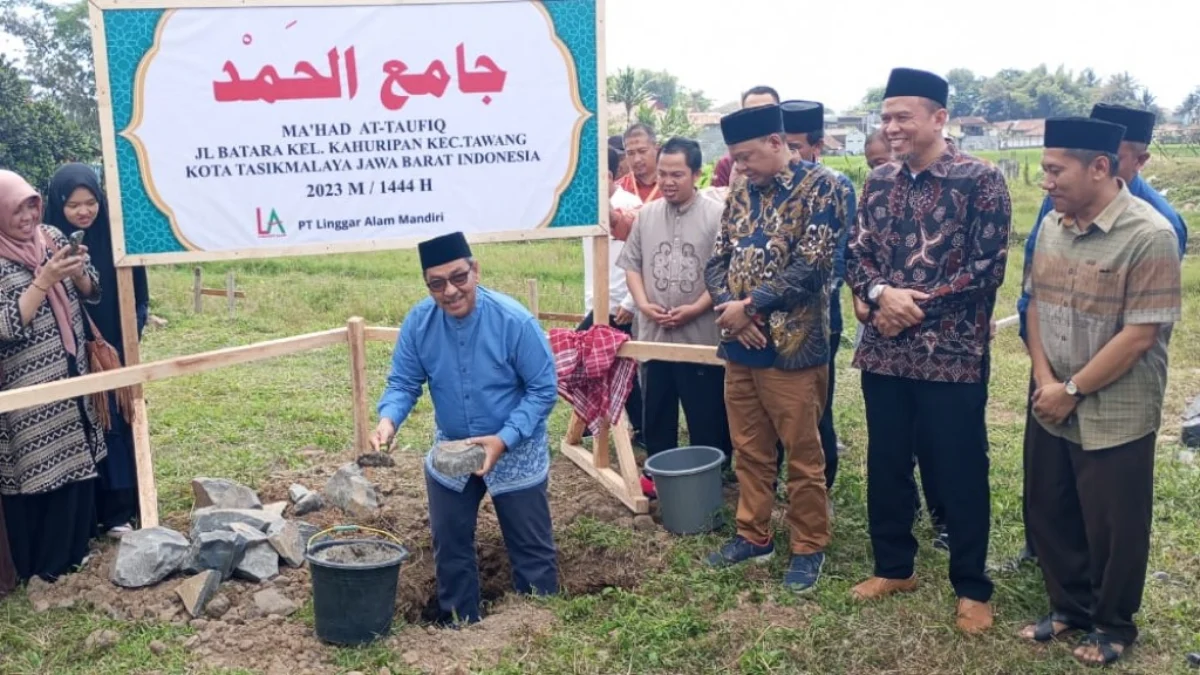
(688, 483)
(353, 603)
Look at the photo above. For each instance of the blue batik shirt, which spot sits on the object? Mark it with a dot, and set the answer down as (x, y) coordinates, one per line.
(1139, 188)
(489, 373)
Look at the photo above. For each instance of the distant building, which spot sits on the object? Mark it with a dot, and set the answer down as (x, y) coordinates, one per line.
(1020, 133)
(849, 141)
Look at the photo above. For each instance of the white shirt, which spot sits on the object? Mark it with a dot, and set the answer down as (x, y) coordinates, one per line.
(618, 292)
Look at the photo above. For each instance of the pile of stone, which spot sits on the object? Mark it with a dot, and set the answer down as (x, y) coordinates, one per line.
(233, 535)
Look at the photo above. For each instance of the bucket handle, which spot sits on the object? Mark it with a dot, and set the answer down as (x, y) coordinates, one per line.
(351, 528)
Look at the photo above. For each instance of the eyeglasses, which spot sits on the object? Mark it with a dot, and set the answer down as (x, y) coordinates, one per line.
(459, 279)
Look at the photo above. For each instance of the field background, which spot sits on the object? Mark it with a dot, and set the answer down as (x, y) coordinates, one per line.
(249, 421)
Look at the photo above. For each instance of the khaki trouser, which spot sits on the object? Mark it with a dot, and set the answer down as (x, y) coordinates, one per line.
(766, 405)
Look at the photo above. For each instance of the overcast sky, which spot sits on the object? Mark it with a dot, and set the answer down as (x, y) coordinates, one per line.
(833, 51)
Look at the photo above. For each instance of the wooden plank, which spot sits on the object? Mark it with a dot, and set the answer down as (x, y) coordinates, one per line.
(143, 459)
(222, 293)
(600, 450)
(626, 462)
(575, 429)
(609, 479)
(558, 316)
(356, 336)
(381, 334)
(230, 293)
(662, 351)
(190, 364)
(600, 278)
(532, 285)
(198, 289)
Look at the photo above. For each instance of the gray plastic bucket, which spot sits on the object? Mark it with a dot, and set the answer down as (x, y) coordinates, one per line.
(688, 483)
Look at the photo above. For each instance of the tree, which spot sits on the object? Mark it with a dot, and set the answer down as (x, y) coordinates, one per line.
(874, 98)
(964, 92)
(697, 101)
(1121, 89)
(35, 136)
(58, 56)
(628, 87)
(1190, 108)
(662, 86)
(675, 122)
(646, 114)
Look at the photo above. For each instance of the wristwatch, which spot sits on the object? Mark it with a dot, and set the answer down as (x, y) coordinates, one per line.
(874, 293)
(1073, 390)
(751, 310)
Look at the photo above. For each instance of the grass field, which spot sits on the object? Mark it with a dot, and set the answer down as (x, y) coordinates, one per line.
(249, 421)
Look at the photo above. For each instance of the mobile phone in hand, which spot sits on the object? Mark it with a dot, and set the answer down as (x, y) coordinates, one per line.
(76, 240)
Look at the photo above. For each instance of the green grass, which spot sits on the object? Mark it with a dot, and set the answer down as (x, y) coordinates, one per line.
(248, 421)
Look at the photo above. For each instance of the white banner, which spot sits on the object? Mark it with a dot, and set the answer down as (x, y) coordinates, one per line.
(289, 126)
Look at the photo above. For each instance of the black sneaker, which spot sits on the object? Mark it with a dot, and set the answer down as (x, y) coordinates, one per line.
(941, 542)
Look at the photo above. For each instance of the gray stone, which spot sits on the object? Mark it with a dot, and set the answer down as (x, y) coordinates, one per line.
(217, 607)
(375, 459)
(307, 530)
(296, 492)
(223, 494)
(271, 601)
(308, 503)
(148, 556)
(260, 563)
(1161, 577)
(1193, 659)
(220, 551)
(101, 640)
(197, 591)
(157, 647)
(276, 507)
(457, 458)
(288, 543)
(1190, 434)
(213, 519)
(644, 523)
(350, 491)
(249, 533)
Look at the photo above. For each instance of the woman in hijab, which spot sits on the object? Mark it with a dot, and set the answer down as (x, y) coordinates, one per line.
(76, 202)
(48, 453)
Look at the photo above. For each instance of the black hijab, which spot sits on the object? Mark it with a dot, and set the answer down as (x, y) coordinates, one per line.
(98, 239)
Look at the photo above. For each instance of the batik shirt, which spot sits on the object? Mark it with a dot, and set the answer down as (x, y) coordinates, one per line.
(943, 232)
(776, 245)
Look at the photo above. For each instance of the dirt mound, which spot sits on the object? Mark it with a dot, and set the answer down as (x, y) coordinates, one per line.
(241, 637)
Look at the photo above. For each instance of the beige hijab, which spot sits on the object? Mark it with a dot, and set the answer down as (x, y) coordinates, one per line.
(15, 191)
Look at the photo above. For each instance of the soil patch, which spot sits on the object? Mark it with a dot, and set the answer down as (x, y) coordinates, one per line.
(357, 553)
(241, 637)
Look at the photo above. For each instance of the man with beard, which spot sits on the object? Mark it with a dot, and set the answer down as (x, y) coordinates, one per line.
(927, 256)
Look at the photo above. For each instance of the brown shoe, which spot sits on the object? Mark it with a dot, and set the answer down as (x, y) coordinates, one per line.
(974, 617)
(878, 587)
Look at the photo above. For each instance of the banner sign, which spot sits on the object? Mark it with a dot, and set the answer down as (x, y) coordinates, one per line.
(256, 131)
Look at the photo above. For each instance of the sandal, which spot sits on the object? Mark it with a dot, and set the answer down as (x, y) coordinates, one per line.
(1104, 643)
(1043, 630)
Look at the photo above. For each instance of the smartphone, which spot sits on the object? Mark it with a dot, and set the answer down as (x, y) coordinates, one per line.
(76, 240)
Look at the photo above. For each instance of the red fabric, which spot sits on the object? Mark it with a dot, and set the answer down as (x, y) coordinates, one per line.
(591, 377)
(721, 172)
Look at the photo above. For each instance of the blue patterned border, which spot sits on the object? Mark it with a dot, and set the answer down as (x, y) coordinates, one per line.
(129, 34)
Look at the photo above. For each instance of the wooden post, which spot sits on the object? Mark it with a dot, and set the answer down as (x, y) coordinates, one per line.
(600, 281)
(356, 336)
(147, 490)
(231, 293)
(198, 289)
(532, 284)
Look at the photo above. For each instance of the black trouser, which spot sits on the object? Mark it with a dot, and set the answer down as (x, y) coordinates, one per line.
(829, 442)
(701, 390)
(1090, 513)
(943, 425)
(633, 404)
(1027, 465)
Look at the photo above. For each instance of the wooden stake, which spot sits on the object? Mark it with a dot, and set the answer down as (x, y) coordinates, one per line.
(198, 289)
(532, 284)
(231, 293)
(356, 335)
(600, 281)
(147, 490)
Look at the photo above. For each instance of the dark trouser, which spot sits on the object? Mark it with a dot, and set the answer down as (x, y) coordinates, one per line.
(524, 517)
(701, 390)
(829, 440)
(49, 532)
(943, 425)
(1089, 514)
(1027, 465)
(633, 404)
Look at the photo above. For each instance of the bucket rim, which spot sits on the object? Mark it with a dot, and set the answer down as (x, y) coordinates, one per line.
(401, 551)
(670, 473)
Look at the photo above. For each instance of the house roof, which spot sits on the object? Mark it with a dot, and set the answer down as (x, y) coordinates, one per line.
(704, 119)
(973, 121)
(1021, 127)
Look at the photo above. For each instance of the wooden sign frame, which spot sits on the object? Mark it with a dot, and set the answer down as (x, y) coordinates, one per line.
(147, 490)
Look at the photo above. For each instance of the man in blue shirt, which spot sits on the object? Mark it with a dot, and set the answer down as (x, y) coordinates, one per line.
(804, 125)
(1133, 155)
(491, 377)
